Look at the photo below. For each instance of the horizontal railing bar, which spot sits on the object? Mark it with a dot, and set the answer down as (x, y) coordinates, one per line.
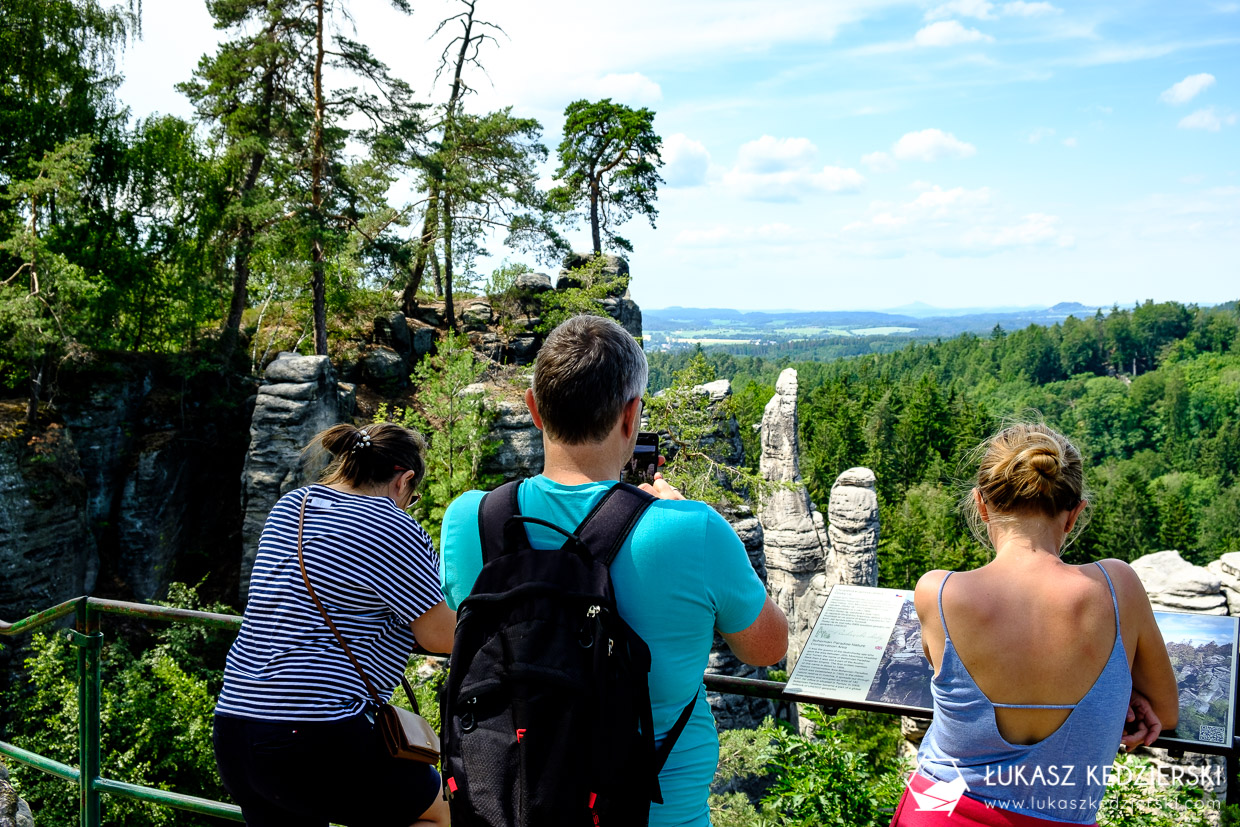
(121, 607)
(145, 610)
(44, 617)
(192, 803)
(33, 759)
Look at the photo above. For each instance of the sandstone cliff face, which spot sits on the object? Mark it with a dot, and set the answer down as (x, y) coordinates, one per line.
(300, 398)
(47, 551)
(138, 476)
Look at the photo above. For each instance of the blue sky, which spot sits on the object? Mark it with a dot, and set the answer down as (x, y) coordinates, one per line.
(1197, 629)
(865, 155)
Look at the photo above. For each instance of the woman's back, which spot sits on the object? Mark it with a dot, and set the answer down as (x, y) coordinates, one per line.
(1036, 661)
(1035, 633)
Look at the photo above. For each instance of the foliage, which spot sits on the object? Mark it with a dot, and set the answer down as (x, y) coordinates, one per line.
(504, 278)
(694, 439)
(1139, 797)
(832, 777)
(455, 423)
(44, 303)
(559, 305)
(428, 681)
(609, 163)
(155, 719)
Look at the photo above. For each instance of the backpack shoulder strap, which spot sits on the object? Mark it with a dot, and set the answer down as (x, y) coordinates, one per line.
(494, 512)
(608, 524)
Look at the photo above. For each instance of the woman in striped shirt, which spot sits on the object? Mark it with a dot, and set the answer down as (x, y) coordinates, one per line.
(294, 733)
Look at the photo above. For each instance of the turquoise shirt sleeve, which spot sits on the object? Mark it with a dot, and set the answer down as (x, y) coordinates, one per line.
(731, 584)
(460, 547)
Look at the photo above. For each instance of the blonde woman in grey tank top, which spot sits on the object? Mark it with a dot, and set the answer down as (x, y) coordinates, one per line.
(1021, 642)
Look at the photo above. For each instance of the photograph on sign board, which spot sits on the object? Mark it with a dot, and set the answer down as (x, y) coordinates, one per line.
(1203, 654)
(903, 676)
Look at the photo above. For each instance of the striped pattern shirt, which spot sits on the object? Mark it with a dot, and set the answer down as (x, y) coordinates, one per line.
(375, 571)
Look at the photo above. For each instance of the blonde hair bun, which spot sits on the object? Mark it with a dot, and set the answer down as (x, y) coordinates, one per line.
(1028, 467)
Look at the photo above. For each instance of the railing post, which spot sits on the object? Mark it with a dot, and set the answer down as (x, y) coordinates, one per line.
(89, 641)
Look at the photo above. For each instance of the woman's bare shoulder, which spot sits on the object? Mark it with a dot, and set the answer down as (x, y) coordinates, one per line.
(926, 593)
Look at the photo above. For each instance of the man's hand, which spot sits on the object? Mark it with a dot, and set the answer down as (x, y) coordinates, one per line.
(661, 488)
(1146, 724)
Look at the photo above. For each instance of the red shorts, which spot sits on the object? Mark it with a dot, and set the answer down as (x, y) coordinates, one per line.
(968, 812)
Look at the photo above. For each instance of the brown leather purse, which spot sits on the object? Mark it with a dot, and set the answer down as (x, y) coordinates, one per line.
(406, 735)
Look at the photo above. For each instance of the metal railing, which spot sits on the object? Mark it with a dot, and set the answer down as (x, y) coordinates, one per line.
(87, 637)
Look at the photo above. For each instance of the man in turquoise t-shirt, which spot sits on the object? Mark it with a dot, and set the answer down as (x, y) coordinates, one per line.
(682, 573)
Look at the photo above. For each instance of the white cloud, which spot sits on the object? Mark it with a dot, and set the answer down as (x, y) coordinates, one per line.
(1019, 8)
(940, 202)
(950, 222)
(1035, 229)
(1040, 133)
(949, 33)
(792, 184)
(1069, 142)
(838, 179)
(931, 145)
(783, 169)
(879, 162)
(1187, 89)
(770, 154)
(685, 161)
(981, 9)
(932, 208)
(721, 235)
(631, 89)
(1210, 119)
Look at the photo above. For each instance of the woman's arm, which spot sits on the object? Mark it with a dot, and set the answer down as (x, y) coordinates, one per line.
(435, 628)
(1152, 675)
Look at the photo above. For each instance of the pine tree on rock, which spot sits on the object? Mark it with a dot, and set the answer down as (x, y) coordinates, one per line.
(609, 164)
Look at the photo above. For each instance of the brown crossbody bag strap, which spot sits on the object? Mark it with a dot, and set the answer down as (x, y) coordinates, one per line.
(344, 644)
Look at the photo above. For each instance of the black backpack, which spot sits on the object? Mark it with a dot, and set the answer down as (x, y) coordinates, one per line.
(546, 718)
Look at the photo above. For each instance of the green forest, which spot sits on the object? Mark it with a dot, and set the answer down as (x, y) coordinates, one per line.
(1150, 394)
(271, 222)
(242, 232)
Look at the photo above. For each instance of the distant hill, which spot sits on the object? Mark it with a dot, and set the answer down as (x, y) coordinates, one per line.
(673, 327)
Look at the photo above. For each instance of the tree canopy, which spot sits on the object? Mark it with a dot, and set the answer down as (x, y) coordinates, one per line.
(609, 164)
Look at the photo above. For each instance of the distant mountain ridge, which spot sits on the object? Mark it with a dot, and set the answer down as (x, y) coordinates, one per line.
(684, 324)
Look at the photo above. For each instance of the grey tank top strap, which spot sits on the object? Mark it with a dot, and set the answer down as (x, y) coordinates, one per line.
(942, 617)
(1114, 599)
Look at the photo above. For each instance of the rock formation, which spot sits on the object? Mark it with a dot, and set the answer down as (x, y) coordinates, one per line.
(14, 812)
(1227, 570)
(299, 398)
(520, 450)
(619, 303)
(806, 557)
(852, 530)
(1176, 585)
(141, 468)
(740, 711)
(796, 544)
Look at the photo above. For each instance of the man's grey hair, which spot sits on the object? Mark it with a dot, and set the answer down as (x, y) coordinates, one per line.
(588, 369)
